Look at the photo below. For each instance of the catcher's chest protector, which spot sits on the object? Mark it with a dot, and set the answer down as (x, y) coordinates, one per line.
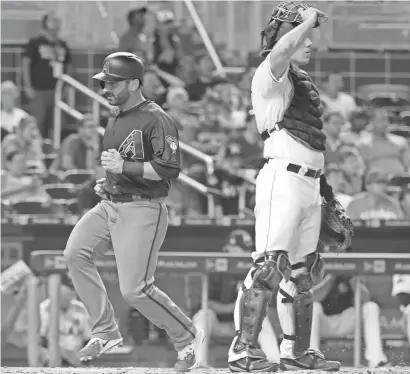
(303, 117)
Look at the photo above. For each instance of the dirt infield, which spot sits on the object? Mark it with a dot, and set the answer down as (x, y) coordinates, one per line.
(5, 370)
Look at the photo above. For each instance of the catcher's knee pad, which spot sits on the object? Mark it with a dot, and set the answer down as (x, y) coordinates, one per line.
(275, 267)
(315, 271)
(254, 302)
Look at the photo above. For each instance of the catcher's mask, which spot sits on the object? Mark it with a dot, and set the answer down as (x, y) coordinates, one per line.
(283, 19)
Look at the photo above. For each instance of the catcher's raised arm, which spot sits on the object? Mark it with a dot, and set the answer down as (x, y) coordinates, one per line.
(282, 39)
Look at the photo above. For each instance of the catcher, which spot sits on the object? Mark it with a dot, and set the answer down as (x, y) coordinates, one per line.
(289, 193)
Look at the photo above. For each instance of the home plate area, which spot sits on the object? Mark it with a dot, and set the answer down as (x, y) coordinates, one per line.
(95, 370)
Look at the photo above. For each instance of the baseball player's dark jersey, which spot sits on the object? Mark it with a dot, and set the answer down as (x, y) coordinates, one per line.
(144, 133)
(339, 298)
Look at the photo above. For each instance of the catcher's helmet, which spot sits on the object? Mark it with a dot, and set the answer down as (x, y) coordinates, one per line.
(284, 17)
(121, 66)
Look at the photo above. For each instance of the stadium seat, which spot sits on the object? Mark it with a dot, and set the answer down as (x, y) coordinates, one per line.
(5, 209)
(361, 100)
(77, 177)
(405, 117)
(61, 191)
(34, 206)
(403, 131)
(52, 178)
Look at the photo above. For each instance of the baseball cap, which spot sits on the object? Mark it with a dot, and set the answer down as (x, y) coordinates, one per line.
(165, 16)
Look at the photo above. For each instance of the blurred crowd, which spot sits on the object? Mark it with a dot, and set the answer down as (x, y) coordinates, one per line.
(367, 157)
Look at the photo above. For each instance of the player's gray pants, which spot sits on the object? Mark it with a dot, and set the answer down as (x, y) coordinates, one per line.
(136, 231)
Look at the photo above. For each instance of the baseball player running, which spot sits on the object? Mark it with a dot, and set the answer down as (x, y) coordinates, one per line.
(288, 198)
(140, 157)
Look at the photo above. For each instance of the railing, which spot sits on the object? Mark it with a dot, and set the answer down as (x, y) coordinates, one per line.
(97, 102)
(205, 37)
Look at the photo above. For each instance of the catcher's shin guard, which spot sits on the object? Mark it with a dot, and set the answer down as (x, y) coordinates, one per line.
(295, 304)
(253, 305)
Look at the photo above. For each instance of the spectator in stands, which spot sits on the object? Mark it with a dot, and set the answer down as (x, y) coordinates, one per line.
(374, 203)
(11, 114)
(405, 201)
(81, 149)
(356, 132)
(187, 69)
(14, 323)
(191, 41)
(334, 316)
(211, 137)
(26, 139)
(335, 99)
(167, 45)
(219, 315)
(383, 151)
(196, 90)
(337, 178)
(15, 184)
(401, 291)
(333, 122)
(178, 109)
(134, 40)
(406, 159)
(153, 89)
(46, 57)
(245, 146)
(75, 326)
(353, 165)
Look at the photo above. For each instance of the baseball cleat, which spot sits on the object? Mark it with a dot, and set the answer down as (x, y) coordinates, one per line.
(252, 365)
(311, 359)
(189, 357)
(96, 347)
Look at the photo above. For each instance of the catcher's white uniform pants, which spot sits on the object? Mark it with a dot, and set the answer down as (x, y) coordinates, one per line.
(287, 211)
(342, 325)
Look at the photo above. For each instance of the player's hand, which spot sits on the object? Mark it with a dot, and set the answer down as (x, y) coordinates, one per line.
(99, 189)
(313, 12)
(112, 161)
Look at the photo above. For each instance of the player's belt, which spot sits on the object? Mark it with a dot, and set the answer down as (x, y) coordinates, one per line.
(266, 134)
(129, 197)
(306, 172)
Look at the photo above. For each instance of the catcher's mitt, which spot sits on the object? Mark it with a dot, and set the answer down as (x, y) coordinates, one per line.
(337, 228)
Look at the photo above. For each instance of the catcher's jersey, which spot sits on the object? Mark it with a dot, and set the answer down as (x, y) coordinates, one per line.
(401, 284)
(270, 99)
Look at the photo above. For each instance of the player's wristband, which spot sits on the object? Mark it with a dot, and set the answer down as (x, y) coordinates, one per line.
(326, 189)
(133, 169)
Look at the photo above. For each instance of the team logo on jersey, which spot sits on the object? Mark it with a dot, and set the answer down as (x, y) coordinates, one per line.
(132, 148)
(173, 144)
